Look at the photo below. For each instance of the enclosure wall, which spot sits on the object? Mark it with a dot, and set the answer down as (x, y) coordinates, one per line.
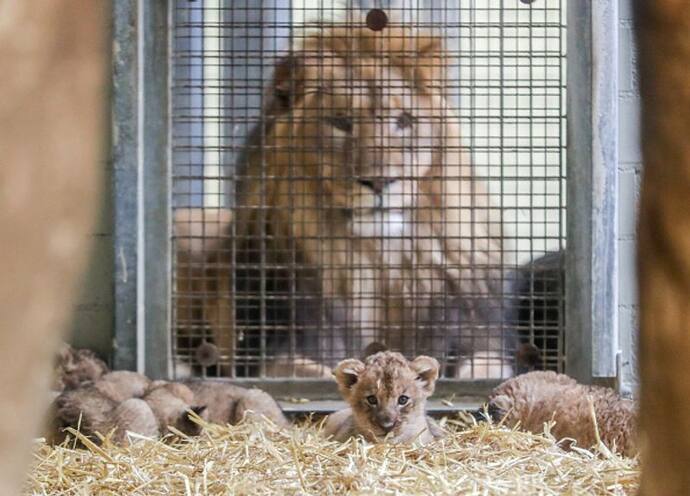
(92, 322)
(504, 76)
(629, 170)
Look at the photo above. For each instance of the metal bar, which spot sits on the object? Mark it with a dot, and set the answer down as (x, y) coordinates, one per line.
(141, 189)
(325, 389)
(591, 292)
(155, 229)
(125, 177)
(605, 188)
(434, 407)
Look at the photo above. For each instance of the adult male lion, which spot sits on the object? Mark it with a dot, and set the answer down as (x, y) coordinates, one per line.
(357, 219)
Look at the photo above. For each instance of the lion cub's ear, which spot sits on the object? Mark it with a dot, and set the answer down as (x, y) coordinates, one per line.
(347, 374)
(427, 372)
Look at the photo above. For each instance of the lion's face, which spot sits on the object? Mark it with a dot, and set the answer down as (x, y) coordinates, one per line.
(366, 132)
(375, 145)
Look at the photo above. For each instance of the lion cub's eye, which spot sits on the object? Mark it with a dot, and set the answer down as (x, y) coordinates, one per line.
(405, 120)
(402, 400)
(372, 400)
(341, 122)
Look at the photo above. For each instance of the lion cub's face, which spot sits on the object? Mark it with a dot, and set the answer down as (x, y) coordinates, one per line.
(387, 394)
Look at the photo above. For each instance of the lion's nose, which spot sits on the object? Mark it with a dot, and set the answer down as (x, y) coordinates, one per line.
(388, 425)
(376, 184)
(386, 422)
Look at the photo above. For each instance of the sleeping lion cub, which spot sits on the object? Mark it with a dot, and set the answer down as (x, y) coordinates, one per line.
(387, 396)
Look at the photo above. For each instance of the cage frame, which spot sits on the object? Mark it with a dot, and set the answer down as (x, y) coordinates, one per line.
(140, 158)
(141, 103)
(591, 289)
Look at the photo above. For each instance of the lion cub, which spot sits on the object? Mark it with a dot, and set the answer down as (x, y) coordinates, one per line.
(387, 396)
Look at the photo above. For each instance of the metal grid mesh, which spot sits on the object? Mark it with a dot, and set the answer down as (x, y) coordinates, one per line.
(323, 201)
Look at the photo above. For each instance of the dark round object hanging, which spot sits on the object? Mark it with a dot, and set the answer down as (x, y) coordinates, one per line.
(527, 1)
(377, 19)
(207, 354)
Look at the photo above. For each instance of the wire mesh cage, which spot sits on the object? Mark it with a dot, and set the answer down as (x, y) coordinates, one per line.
(347, 174)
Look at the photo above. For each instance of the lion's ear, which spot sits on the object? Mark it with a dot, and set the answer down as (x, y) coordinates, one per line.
(430, 65)
(347, 374)
(427, 372)
(288, 83)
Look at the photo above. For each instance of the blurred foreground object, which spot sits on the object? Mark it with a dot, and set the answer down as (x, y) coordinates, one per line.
(54, 80)
(664, 247)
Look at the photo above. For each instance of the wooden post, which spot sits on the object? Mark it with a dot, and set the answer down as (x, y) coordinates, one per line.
(664, 246)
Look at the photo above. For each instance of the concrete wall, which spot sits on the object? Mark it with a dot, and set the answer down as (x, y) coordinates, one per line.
(629, 168)
(92, 321)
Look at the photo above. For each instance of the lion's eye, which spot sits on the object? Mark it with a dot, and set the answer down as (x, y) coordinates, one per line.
(405, 120)
(372, 400)
(402, 400)
(341, 122)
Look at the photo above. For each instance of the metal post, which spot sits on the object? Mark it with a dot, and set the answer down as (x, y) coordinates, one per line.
(591, 262)
(142, 190)
(124, 157)
(156, 191)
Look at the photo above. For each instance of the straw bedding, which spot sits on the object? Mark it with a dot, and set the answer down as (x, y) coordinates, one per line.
(262, 459)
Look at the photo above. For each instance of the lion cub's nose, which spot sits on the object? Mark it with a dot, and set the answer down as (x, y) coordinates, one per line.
(386, 424)
(376, 184)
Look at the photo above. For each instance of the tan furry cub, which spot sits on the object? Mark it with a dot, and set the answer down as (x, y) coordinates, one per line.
(387, 395)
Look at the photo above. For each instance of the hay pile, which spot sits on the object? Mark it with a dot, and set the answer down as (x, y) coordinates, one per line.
(259, 459)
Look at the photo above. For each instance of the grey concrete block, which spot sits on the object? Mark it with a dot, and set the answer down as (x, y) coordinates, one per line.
(627, 204)
(92, 328)
(629, 130)
(625, 10)
(627, 273)
(96, 285)
(628, 325)
(93, 317)
(628, 80)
